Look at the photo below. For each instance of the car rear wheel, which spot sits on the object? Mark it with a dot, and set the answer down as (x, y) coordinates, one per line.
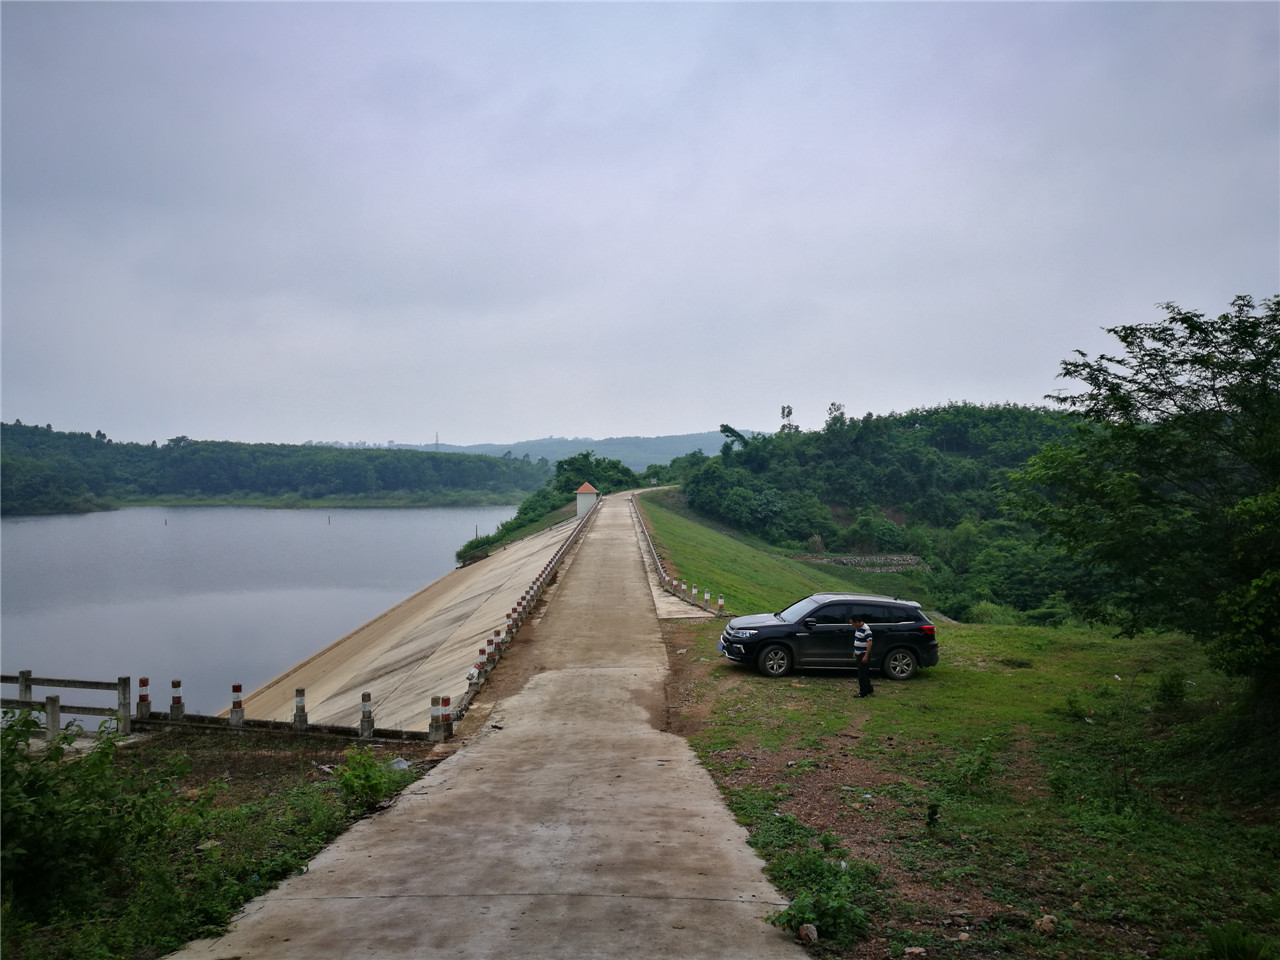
(775, 661)
(900, 664)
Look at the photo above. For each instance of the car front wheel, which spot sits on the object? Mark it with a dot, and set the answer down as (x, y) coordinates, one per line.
(775, 661)
(900, 664)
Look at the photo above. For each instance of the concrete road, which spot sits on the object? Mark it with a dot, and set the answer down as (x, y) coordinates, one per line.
(568, 826)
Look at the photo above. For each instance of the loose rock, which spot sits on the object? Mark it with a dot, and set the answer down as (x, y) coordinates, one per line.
(1046, 924)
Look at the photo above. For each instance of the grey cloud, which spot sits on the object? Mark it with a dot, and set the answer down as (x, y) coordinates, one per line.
(338, 215)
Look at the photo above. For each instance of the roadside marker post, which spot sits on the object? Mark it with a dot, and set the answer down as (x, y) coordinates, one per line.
(144, 698)
(300, 709)
(441, 726)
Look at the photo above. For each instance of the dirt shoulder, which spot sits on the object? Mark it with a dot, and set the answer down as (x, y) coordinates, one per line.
(843, 791)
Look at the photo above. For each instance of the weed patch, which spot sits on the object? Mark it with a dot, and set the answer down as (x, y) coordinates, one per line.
(133, 849)
(826, 889)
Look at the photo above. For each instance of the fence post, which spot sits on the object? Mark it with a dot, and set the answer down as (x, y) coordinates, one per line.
(177, 710)
(144, 698)
(124, 691)
(24, 684)
(441, 726)
(52, 716)
(366, 715)
(434, 731)
(300, 709)
(236, 717)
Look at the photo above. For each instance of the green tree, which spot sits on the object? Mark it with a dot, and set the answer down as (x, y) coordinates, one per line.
(1169, 489)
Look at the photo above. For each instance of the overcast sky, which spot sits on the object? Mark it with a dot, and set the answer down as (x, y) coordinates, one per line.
(493, 222)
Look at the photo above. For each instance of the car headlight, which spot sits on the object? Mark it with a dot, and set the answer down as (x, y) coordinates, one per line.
(742, 634)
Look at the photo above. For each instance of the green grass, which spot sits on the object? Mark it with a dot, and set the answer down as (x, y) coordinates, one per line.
(754, 577)
(131, 851)
(1115, 783)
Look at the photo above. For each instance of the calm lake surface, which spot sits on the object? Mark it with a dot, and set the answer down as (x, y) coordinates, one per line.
(210, 596)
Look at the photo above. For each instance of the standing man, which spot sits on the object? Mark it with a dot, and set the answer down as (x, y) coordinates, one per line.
(862, 654)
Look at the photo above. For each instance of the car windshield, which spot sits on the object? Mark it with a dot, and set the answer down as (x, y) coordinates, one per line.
(797, 611)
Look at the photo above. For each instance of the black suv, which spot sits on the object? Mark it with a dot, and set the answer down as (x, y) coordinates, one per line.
(815, 632)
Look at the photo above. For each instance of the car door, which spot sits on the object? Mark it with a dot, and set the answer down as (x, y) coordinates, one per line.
(829, 642)
(877, 618)
(888, 628)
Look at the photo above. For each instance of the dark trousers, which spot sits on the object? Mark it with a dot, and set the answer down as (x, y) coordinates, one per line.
(864, 678)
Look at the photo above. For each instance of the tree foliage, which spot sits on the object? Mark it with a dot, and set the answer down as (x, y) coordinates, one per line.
(607, 476)
(921, 482)
(49, 471)
(933, 467)
(1169, 488)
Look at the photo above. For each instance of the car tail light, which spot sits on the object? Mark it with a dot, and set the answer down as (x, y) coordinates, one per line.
(927, 628)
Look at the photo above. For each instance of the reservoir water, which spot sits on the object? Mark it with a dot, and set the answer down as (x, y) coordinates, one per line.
(210, 596)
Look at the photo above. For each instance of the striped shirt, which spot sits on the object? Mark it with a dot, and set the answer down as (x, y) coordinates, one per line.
(861, 639)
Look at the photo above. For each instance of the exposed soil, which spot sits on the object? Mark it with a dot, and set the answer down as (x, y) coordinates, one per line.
(253, 765)
(843, 791)
(863, 816)
(820, 799)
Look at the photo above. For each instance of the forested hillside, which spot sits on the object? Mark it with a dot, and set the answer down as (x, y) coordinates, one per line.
(50, 471)
(635, 453)
(923, 482)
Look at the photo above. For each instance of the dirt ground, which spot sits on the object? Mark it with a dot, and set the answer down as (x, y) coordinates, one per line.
(820, 799)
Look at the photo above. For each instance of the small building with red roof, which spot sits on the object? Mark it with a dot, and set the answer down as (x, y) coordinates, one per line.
(587, 496)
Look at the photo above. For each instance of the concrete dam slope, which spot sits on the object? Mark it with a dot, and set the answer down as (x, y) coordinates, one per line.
(568, 826)
(418, 649)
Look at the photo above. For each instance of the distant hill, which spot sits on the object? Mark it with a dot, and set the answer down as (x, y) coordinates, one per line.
(634, 452)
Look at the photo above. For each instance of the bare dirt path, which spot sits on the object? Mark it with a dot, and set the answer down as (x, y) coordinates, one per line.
(571, 825)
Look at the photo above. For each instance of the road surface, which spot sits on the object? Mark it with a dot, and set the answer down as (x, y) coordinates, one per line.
(569, 825)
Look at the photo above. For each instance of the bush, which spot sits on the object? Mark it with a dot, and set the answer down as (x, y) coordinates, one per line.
(68, 823)
(364, 782)
(1233, 942)
(1171, 688)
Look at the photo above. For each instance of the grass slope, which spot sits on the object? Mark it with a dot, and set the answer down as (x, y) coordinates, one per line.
(1035, 772)
(752, 575)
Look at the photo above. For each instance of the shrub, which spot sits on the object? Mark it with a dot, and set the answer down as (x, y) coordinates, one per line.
(68, 823)
(1232, 941)
(365, 782)
(1171, 688)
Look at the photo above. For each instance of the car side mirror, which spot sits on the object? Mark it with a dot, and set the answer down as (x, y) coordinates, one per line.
(810, 622)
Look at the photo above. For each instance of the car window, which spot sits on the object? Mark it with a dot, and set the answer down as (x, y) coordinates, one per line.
(798, 610)
(896, 614)
(833, 613)
(873, 613)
